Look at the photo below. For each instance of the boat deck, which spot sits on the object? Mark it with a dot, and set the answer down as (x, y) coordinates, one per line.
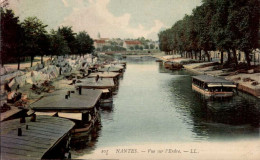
(104, 75)
(40, 137)
(75, 102)
(104, 83)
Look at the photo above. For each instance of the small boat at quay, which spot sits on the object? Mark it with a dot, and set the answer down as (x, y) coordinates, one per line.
(106, 85)
(82, 107)
(172, 65)
(213, 86)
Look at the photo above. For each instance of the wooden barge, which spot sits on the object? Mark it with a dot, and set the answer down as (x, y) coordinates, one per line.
(112, 68)
(106, 85)
(113, 75)
(80, 106)
(172, 65)
(213, 86)
(40, 137)
(122, 63)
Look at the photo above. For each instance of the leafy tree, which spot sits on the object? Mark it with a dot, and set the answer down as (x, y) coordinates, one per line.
(69, 37)
(44, 45)
(137, 47)
(34, 30)
(219, 28)
(152, 46)
(85, 43)
(11, 37)
(58, 45)
(244, 22)
(132, 48)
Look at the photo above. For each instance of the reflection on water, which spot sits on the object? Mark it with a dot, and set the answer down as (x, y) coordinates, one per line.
(157, 105)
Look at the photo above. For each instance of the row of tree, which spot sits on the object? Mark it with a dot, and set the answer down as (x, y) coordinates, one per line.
(223, 25)
(30, 38)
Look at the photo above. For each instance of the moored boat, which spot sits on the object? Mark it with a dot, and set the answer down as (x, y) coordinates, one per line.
(81, 107)
(213, 86)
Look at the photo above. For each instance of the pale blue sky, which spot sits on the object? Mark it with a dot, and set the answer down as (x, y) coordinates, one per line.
(112, 18)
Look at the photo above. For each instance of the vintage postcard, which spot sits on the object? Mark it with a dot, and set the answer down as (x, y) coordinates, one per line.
(130, 79)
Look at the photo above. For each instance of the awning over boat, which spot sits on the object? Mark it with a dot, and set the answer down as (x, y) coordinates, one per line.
(45, 113)
(221, 85)
(76, 116)
(214, 85)
(229, 85)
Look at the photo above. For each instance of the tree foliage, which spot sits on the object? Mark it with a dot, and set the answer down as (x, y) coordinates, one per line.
(84, 43)
(34, 31)
(11, 36)
(224, 25)
(30, 38)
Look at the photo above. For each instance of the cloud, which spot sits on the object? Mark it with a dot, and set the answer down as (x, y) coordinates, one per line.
(95, 17)
(65, 3)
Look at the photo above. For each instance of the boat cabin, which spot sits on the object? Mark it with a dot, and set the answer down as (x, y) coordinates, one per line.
(106, 85)
(213, 86)
(102, 75)
(81, 106)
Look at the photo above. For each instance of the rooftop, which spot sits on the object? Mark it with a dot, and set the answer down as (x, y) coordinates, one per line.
(56, 101)
(40, 137)
(133, 42)
(211, 79)
(104, 74)
(103, 83)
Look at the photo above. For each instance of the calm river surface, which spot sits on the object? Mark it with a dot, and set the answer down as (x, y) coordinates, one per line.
(154, 105)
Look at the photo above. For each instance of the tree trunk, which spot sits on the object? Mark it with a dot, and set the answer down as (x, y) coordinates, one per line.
(207, 53)
(41, 59)
(235, 56)
(221, 57)
(248, 60)
(32, 61)
(18, 65)
(191, 55)
(196, 55)
(200, 54)
(229, 56)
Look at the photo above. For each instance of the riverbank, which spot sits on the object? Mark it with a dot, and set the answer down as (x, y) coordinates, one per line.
(247, 82)
(20, 90)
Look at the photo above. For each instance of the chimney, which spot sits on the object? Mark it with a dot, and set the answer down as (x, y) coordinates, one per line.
(80, 88)
(19, 131)
(33, 118)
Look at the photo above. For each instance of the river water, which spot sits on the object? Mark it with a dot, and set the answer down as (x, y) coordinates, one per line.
(155, 105)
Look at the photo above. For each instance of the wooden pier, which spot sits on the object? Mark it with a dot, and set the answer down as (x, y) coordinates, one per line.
(36, 139)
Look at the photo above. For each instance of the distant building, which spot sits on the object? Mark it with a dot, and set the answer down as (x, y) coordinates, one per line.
(131, 43)
(99, 43)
